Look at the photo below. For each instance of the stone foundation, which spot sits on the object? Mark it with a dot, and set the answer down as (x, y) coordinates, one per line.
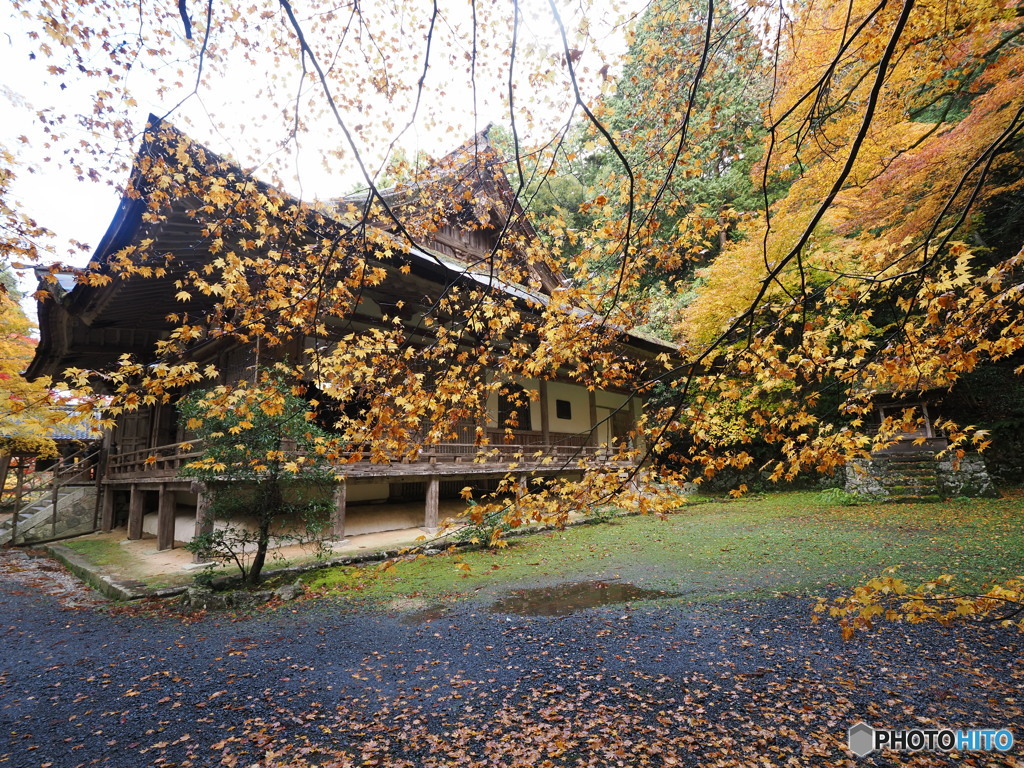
(919, 477)
(971, 478)
(76, 511)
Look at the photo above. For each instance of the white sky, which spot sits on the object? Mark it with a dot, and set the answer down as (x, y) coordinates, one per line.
(81, 210)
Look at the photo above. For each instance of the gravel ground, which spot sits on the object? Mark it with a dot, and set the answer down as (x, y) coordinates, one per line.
(318, 683)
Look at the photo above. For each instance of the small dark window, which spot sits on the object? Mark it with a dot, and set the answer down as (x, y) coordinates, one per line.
(563, 409)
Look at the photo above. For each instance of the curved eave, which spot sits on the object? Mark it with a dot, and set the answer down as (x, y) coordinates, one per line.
(54, 309)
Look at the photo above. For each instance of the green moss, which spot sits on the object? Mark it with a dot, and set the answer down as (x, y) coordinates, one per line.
(101, 552)
(338, 579)
(112, 557)
(787, 542)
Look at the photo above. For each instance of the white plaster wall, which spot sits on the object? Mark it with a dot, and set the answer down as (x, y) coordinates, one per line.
(184, 524)
(375, 518)
(578, 397)
(492, 409)
(609, 399)
(356, 492)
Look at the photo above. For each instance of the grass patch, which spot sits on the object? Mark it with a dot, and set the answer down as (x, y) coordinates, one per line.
(101, 552)
(795, 543)
(113, 558)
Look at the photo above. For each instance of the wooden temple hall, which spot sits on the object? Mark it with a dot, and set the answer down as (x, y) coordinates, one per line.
(559, 426)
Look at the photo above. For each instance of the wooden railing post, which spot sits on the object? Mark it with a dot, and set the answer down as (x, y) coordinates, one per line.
(55, 494)
(5, 465)
(17, 498)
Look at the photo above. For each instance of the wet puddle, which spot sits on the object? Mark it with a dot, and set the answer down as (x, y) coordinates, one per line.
(563, 599)
(424, 616)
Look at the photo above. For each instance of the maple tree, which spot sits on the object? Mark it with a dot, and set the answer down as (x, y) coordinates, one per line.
(864, 275)
(26, 412)
(265, 464)
(891, 137)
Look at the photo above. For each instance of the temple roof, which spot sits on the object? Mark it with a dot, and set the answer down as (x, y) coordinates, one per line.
(90, 323)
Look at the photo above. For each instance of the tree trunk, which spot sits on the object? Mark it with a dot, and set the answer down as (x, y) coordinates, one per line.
(262, 544)
(269, 504)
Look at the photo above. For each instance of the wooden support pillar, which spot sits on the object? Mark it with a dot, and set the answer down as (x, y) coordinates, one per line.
(545, 418)
(165, 519)
(483, 416)
(430, 522)
(338, 518)
(135, 513)
(204, 520)
(638, 412)
(593, 416)
(19, 482)
(107, 515)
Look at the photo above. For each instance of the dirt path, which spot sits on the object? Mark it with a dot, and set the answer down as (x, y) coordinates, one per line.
(320, 683)
(42, 575)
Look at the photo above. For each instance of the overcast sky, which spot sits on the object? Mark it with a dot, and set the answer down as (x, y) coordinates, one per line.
(81, 210)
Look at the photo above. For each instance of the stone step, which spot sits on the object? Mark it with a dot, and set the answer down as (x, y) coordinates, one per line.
(908, 466)
(908, 480)
(23, 515)
(911, 490)
(914, 499)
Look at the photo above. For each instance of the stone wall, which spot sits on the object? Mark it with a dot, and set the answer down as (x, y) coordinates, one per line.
(76, 511)
(863, 477)
(922, 477)
(970, 478)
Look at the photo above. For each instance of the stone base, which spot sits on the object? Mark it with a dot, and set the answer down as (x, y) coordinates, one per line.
(970, 478)
(201, 598)
(919, 477)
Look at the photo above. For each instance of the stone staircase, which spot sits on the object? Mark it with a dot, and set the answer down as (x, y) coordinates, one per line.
(57, 502)
(897, 477)
(910, 477)
(36, 521)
